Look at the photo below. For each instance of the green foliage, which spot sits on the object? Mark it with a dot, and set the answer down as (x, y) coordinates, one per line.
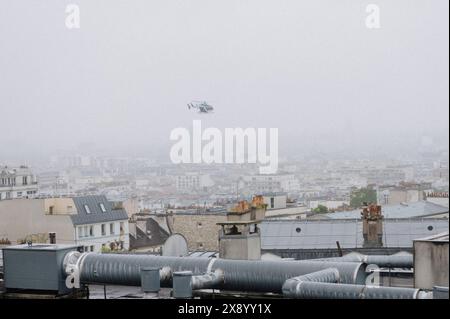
(321, 209)
(362, 195)
(106, 249)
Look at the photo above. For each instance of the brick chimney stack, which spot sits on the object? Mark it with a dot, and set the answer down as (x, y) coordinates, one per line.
(372, 219)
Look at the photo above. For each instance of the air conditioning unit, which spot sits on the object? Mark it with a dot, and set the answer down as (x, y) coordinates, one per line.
(36, 267)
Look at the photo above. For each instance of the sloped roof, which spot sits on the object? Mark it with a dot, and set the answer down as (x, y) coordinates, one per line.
(323, 234)
(96, 214)
(154, 235)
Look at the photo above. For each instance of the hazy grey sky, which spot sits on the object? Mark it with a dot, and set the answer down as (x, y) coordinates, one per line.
(310, 68)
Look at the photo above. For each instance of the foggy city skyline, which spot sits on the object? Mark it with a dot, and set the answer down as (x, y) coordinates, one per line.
(258, 152)
(120, 83)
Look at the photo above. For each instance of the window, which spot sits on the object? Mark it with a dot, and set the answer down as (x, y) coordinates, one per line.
(111, 228)
(25, 180)
(92, 248)
(19, 194)
(91, 231)
(50, 210)
(272, 202)
(122, 230)
(80, 232)
(86, 208)
(103, 229)
(102, 207)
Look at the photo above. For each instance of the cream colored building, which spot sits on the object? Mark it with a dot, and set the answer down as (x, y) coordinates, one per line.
(89, 221)
(278, 206)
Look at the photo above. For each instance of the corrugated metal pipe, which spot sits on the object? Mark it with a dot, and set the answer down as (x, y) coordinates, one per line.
(184, 282)
(399, 260)
(238, 275)
(291, 286)
(325, 284)
(208, 281)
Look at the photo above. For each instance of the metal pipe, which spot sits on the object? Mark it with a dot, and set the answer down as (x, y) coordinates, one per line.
(208, 281)
(325, 284)
(330, 275)
(269, 276)
(399, 260)
(184, 283)
(238, 275)
(125, 269)
(314, 290)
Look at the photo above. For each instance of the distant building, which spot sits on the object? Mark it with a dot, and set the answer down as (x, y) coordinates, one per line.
(271, 183)
(421, 209)
(279, 205)
(440, 198)
(89, 221)
(193, 182)
(17, 182)
(441, 172)
(403, 193)
(330, 204)
(53, 183)
(380, 176)
(275, 200)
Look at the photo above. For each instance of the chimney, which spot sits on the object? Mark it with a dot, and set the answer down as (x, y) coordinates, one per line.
(372, 219)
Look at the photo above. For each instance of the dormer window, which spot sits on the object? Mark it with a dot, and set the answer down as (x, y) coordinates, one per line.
(86, 208)
(102, 207)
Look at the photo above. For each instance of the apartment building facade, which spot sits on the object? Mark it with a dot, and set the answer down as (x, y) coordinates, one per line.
(89, 221)
(271, 183)
(17, 182)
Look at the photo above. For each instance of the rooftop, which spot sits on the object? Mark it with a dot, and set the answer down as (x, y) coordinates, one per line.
(96, 209)
(323, 234)
(404, 210)
(442, 237)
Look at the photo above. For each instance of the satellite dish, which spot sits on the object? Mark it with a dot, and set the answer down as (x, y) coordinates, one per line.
(175, 246)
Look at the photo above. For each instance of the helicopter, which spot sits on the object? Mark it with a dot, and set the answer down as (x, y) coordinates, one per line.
(201, 106)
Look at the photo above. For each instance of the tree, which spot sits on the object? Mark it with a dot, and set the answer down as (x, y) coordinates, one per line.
(320, 209)
(106, 249)
(363, 195)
